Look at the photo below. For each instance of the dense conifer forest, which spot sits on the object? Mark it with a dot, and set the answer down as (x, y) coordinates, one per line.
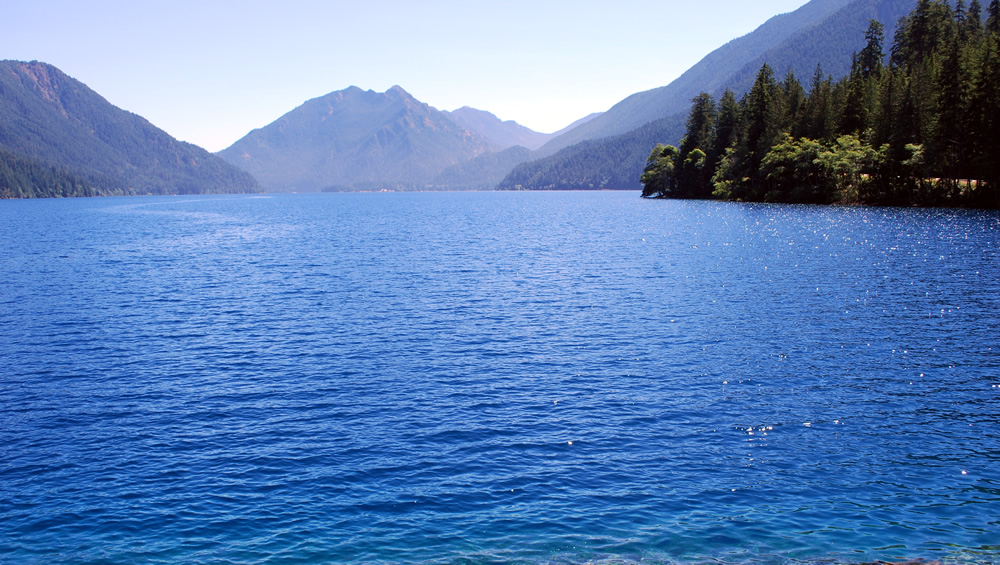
(919, 125)
(24, 178)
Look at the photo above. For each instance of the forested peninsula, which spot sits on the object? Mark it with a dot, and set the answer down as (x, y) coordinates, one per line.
(919, 126)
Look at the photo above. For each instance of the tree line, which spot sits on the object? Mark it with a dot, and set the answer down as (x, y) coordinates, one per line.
(24, 178)
(917, 126)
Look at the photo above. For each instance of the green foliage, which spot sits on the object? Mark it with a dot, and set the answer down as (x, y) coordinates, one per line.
(659, 178)
(693, 174)
(924, 130)
(24, 178)
(795, 172)
(850, 167)
(871, 57)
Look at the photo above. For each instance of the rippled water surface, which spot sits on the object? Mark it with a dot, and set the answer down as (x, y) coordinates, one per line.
(496, 377)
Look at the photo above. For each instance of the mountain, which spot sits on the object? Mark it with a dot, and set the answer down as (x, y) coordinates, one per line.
(482, 173)
(828, 32)
(508, 133)
(708, 75)
(577, 123)
(610, 162)
(71, 141)
(829, 44)
(486, 171)
(356, 140)
(503, 134)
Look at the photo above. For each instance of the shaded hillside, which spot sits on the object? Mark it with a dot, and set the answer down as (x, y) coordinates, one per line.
(354, 140)
(21, 177)
(52, 123)
(829, 43)
(608, 163)
(483, 172)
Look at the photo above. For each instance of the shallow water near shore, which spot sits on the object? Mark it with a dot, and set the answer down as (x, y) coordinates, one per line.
(494, 378)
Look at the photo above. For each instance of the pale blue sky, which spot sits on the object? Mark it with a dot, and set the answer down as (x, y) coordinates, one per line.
(208, 72)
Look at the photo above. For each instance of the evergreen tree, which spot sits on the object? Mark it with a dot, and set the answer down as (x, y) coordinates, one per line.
(924, 130)
(921, 32)
(693, 173)
(870, 60)
(727, 127)
(763, 112)
(974, 17)
(970, 23)
(985, 134)
(794, 100)
(854, 117)
(993, 17)
(700, 125)
(950, 108)
(817, 118)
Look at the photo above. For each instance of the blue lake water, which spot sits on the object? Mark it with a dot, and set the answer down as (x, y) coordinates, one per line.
(494, 378)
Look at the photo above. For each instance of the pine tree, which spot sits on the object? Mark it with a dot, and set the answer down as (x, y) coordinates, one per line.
(993, 17)
(794, 101)
(700, 125)
(693, 174)
(906, 134)
(763, 113)
(985, 114)
(854, 117)
(871, 57)
(727, 128)
(816, 121)
(947, 134)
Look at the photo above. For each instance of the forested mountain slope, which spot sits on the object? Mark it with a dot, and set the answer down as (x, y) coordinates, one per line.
(73, 142)
(611, 162)
(829, 44)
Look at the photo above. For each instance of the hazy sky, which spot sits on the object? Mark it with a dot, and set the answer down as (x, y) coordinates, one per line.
(208, 72)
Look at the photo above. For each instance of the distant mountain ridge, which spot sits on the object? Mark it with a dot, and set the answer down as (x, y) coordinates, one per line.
(354, 139)
(60, 138)
(508, 133)
(503, 134)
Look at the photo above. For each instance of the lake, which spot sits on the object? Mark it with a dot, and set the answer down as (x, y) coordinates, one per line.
(491, 377)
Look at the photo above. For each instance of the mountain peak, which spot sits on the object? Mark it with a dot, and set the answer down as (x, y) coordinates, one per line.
(356, 139)
(44, 78)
